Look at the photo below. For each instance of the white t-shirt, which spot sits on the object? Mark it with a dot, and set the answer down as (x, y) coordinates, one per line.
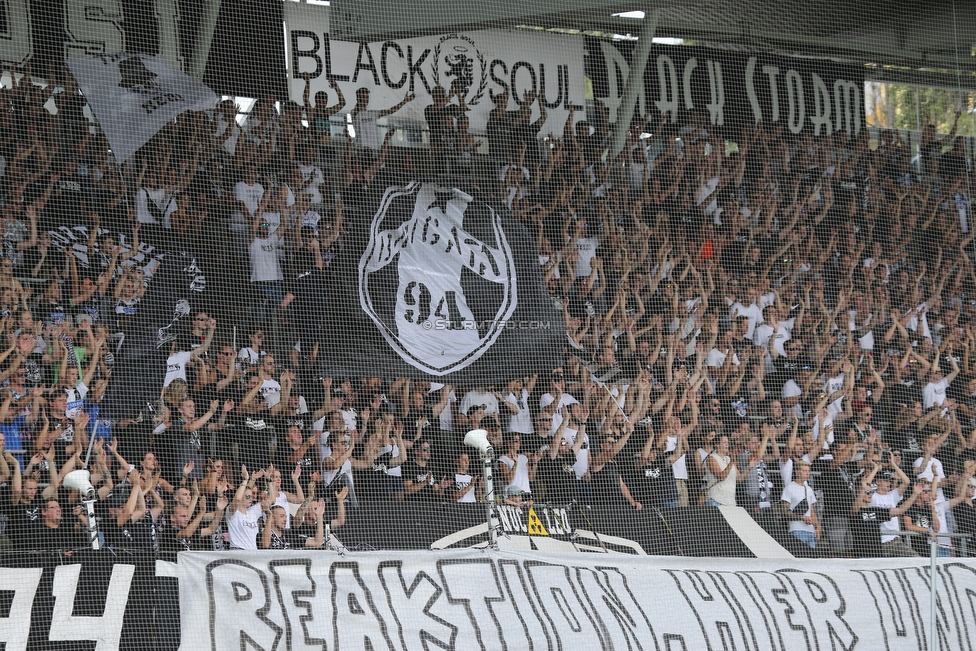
(460, 483)
(270, 392)
(583, 456)
(793, 494)
(586, 248)
(932, 471)
(934, 393)
(313, 177)
(521, 477)
(243, 528)
(368, 133)
(329, 476)
(446, 418)
(889, 500)
(176, 367)
(679, 467)
(522, 421)
(250, 355)
(264, 259)
(764, 333)
(249, 195)
(752, 312)
(832, 385)
(564, 401)
(716, 358)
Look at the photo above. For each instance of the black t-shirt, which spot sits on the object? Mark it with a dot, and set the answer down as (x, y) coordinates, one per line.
(965, 515)
(839, 486)
(559, 477)
(53, 260)
(291, 538)
(440, 121)
(866, 531)
(37, 372)
(6, 507)
(146, 533)
(921, 515)
(170, 544)
(308, 461)
(116, 537)
(64, 537)
(22, 519)
(66, 203)
(309, 286)
(908, 439)
(373, 483)
(786, 369)
(652, 485)
(413, 471)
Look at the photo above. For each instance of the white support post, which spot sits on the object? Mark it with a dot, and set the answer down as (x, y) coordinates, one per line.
(635, 80)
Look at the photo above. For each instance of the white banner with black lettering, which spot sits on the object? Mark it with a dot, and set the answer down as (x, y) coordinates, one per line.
(477, 600)
(133, 96)
(484, 63)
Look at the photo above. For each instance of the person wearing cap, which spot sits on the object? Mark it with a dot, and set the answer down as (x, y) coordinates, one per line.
(887, 492)
(870, 518)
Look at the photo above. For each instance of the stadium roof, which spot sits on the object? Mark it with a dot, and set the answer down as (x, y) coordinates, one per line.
(931, 43)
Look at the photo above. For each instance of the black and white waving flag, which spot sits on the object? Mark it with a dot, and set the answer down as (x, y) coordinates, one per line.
(133, 96)
(440, 283)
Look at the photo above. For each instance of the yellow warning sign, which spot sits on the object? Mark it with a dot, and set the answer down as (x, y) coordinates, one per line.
(535, 524)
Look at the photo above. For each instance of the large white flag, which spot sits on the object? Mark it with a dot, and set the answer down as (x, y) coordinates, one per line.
(133, 96)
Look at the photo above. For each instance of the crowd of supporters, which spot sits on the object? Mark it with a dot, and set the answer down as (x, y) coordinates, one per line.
(775, 321)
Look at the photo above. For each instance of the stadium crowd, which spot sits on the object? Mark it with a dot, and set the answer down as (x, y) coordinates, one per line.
(775, 321)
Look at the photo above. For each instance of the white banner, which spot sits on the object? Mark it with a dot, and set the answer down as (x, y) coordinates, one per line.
(472, 599)
(134, 96)
(485, 62)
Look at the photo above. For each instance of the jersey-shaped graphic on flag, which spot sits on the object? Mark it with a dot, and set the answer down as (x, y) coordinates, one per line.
(437, 276)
